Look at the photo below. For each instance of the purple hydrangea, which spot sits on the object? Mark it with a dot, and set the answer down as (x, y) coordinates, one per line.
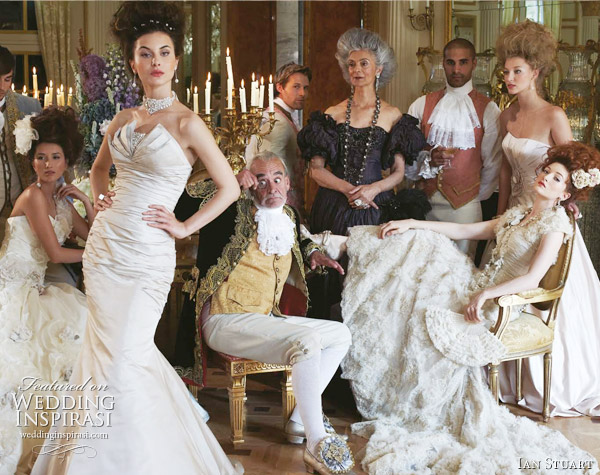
(93, 69)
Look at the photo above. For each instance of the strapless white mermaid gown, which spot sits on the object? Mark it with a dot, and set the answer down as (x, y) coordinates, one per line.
(146, 422)
(41, 329)
(576, 352)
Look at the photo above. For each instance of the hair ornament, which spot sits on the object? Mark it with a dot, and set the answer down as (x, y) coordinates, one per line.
(582, 179)
(24, 134)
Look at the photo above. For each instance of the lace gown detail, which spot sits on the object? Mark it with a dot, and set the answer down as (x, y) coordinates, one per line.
(156, 426)
(576, 351)
(415, 364)
(41, 328)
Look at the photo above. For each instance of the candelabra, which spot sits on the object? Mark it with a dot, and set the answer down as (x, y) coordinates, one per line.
(232, 138)
(422, 21)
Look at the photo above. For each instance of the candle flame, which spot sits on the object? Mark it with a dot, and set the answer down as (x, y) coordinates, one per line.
(34, 70)
(270, 78)
(253, 77)
(46, 89)
(12, 86)
(262, 80)
(228, 51)
(24, 89)
(50, 82)
(208, 77)
(242, 84)
(70, 90)
(62, 89)
(195, 89)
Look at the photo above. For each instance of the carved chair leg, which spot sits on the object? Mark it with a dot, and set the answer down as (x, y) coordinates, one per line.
(547, 381)
(287, 396)
(519, 364)
(494, 380)
(237, 400)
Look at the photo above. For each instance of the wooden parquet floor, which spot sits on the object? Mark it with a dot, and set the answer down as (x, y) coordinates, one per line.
(266, 452)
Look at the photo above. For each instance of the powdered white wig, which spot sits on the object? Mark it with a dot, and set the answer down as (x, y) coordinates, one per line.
(356, 39)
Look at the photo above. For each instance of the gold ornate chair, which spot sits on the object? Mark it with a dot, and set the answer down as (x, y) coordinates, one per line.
(530, 335)
(238, 369)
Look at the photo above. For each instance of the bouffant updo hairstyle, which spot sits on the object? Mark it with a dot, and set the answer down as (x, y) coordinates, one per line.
(574, 156)
(356, 39)
(135, 19)
(531, 41)
(58, 125)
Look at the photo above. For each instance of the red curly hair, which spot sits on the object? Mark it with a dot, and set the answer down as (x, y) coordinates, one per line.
(574, 156)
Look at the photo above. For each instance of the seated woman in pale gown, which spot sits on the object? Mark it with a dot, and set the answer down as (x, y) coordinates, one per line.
(419, 313)
(40, 325)
(530, 126)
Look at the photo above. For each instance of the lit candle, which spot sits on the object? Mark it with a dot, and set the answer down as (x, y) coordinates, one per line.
(410, 4)
(196, 99)
(60, 96)
(242, 98)
(188, 95)
(35, 83)
(229, 67)
(207, 96)
(46, 98)
(70, 99)
(230, 93)
(12, 86)
(51, 92)
(426, 3)
(252, 93)
(261, 94)
(24, 90)
(271, 106)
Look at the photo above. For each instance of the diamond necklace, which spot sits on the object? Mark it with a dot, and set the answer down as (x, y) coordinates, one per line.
(155, 105)
(369, 138)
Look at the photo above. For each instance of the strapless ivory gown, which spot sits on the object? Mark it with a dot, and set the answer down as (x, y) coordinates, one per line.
(576, 352)
(145, 421)
(41, 329)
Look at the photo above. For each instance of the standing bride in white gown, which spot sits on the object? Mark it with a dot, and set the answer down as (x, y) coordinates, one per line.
(140, 417)
(419, 313)
(531, 126)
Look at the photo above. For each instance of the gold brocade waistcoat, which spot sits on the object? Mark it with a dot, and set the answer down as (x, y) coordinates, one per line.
(255, 285)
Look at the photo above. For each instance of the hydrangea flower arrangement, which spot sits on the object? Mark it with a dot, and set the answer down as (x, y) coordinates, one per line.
(103, 88)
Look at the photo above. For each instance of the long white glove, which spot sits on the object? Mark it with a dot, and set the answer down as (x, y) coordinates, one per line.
(333, 244)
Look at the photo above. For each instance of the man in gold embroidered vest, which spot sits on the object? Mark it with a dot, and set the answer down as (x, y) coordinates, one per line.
(238, 300)
(291, 84)
(461, 125)
(16, 171)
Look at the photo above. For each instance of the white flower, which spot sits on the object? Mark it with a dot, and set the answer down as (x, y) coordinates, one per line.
(595, 176)
(580, 179)
(21, 334)
(104, 126)
(24, 134)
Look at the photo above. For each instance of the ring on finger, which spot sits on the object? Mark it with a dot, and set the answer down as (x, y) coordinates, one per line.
(358, 202)
(101, 197)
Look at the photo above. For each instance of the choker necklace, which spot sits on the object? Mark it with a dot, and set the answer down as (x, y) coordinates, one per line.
(369, 138)
(155, 105)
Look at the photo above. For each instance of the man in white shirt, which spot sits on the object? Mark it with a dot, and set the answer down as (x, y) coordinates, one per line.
(462, 129)
(291, 83)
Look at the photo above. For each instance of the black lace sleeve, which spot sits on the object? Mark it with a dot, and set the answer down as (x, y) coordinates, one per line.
(319, 137)
(405, 138)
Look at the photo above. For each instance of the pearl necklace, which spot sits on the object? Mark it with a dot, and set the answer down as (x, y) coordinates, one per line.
(155, 105)
(369, 138)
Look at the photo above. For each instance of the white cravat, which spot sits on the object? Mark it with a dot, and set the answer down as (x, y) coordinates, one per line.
(453, 119)
(275, 230)
(2, 102)
(293, 112)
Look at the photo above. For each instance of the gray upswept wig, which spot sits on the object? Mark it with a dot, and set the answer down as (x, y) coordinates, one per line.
(356, 39)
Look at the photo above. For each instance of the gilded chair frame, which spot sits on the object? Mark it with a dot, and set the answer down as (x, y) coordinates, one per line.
(546, 297)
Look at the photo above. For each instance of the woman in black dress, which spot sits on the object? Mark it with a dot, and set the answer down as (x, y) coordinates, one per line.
(358, 139)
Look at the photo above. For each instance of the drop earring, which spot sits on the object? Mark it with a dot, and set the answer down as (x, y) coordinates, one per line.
(134, 84)
(377, 81)
(176, 78)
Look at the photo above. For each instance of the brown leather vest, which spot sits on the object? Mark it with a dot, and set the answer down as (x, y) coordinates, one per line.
(459, 184)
